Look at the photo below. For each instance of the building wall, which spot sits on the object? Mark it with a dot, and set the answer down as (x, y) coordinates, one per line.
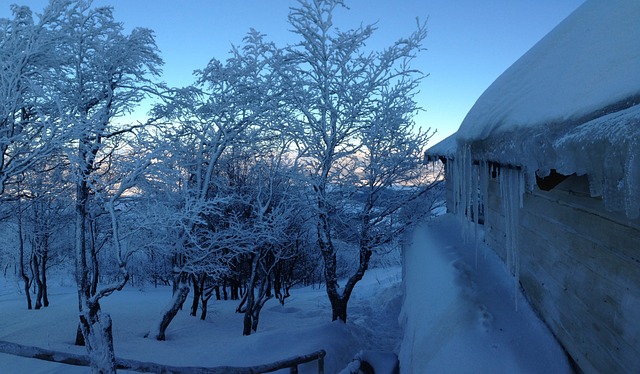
(580, 269)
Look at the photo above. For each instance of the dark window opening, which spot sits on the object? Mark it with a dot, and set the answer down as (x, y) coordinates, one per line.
(550, 181)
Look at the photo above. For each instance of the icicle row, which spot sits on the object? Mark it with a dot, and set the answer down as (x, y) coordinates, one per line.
(466, 187)
(512, 192)
(471, 189)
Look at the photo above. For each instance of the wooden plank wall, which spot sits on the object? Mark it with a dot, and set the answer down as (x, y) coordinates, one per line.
(580, 268)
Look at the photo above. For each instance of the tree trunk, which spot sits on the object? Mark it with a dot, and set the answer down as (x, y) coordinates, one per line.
(338, 305)
(23, 273)
(170, 312)
(339, 301)
(95, 325)
(98, 336)
(264, 295)
(205, 303)
(250, 296)
(95, 274)
(277, 283)
(323, 231)
(339, 310)
(43, 275)
(204, 298)
(38, 280)
(197, 291)
(234, 289)
(40, 254)
(27, 285)
(79, 337)
(247, 323)
(224, 289)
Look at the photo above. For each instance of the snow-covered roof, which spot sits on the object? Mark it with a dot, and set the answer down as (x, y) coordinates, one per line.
(589, 61)
(571, 103)
(445, 148)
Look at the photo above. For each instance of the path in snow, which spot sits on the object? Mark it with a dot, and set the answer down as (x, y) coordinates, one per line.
(461, 318)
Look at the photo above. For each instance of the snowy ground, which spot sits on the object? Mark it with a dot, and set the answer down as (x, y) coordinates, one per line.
(301, 326)
(458, 318)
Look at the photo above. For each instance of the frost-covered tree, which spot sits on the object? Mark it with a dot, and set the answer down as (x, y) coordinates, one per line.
(103, 73)
(275, 207)
(27, 60)
(354, 107)
(46, 220)
(29, 133)
(227, 109)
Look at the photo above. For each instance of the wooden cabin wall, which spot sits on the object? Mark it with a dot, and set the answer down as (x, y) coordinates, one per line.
(580, 269)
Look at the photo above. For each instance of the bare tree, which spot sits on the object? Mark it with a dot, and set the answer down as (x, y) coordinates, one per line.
(339, 88)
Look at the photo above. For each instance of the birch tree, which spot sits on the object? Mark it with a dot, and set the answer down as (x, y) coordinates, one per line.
(340, 88)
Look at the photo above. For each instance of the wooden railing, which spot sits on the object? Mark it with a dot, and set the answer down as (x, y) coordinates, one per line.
(292, 363)
(150, 367)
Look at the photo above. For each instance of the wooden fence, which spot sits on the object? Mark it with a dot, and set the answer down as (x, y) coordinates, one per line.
(149, 367)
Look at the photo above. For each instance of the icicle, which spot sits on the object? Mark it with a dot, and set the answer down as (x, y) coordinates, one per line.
(512, 192)
(485, 177)
(467, 186)
(462, 187)
(475, 198)
(471, 190)
(484, 190)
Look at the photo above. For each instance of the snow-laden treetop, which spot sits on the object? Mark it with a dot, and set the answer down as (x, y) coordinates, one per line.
(589, 61)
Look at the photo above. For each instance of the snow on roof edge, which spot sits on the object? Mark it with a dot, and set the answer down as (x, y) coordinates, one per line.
(445, 148)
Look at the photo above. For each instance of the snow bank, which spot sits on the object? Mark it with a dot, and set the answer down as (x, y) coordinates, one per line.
(459, 318)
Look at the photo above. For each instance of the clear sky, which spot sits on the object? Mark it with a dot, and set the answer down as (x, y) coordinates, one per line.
(470, 42)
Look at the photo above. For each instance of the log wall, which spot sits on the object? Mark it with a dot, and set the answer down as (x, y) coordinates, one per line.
(580, 269)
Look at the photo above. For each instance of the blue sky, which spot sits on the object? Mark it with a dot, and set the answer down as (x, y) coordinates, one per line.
(470, 42)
